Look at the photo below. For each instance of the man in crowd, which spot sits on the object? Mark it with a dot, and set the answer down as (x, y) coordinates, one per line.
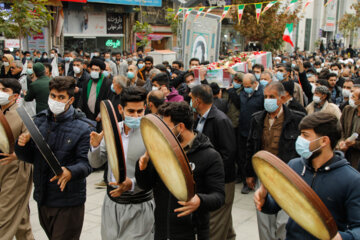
(154, 100)
(336, 69)
(335, 90)
(121, 65)
(81, 76)
(112, 65)
(266, 77)
(257, 69)
(16, 176)
(217, 127)
(60, 198)
(125, 204)
(144, 73)
(320, 133)
(346, 93)
(251, 101)
(350, 122)
(39, 90)
(133, 76)
(187, 220)
(119, 83)
(275, 130)
(178, 65)
(289, 101)
(162, 82)
(96, 89)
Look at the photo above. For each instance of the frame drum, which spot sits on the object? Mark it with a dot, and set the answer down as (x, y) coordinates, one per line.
(294, 195)
(113, 140)
(168, 157)
(7, 141)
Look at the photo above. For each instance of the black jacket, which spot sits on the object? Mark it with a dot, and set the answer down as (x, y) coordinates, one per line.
(103, 94)
(69, 139)
(221, 104)
(115, 100)
(220, 131)
(209, 179)
(85, 77)
(296, 106)
(289, 134)
(337, 185)
(306, 86)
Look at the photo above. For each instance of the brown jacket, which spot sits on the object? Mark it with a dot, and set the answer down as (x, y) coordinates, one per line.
(353, 153)
(327, 108)
(15, 189)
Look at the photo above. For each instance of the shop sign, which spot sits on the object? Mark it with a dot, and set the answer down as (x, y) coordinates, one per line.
(151, 3)
(12, 43)
(114, 23)
(112, 43)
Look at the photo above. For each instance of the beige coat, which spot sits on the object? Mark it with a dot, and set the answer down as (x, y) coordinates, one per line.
(298, 94)
(327, 108)
(15, 189)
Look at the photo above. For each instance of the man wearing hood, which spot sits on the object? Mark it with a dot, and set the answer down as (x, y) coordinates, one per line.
(327, 172)
(185, 220)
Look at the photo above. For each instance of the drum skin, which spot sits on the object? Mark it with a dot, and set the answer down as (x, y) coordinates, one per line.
(294, 195)
(168, 157)
(112, 135)
(7, 141)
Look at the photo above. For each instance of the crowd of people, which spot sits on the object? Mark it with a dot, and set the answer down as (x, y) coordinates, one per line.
(304, 110)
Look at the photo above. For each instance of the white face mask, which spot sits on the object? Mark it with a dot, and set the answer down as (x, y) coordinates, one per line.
(346, 93)
(52, 55)
(56, 107)
(4, 98)
(77, 70)
(94, 75)
(6, 64)
(352, 103)
(313, 86)
(154, 88)
(333, 71)
(316, 99)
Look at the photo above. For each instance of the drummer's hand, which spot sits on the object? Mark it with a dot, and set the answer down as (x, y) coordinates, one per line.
(144, 160)
(63, 178)
(24, 139)
(8, 158)
(188, 207)
(259, 197)
(337, 237)
(95, 138)
(250, 181)
(122, 187)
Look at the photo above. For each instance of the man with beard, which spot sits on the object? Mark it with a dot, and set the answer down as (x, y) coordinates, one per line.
(177, 219)
(144, 73)
(127, 211)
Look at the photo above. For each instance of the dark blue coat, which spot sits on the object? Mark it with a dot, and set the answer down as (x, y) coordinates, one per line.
(69, 139)
(249, 106)
(337, 185)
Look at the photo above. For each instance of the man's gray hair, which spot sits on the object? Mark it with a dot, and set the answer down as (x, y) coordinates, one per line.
(279, 88)
(18, 64)
(121, 80)
(154, 71)
(268, 73)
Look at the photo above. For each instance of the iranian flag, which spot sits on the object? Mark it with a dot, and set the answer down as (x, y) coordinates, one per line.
(188, 11)
(226, 10)
(292, 3)
(210, 8)
(307, 4)
(269, 5)
(241, 11)
(287, 37)
(329, 1)
(258, 11)
(199, 12)
(179, 11)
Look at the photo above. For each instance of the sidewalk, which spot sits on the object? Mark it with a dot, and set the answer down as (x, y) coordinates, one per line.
(244, 215)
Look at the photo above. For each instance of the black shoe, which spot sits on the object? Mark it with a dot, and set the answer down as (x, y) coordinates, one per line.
(245, 190)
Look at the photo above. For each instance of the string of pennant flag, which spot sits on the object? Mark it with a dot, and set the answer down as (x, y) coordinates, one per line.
(240, 8)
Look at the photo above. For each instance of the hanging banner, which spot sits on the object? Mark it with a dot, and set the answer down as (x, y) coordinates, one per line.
(187, 13)
(241, 11)
(199, 12)
(210, 8)
(179, 11)
(258, 11)
(292, 3)
(269, 5)
(307, 4)
(226, 10)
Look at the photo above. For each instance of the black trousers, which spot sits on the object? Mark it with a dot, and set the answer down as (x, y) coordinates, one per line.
(241, 159)
(62, 223)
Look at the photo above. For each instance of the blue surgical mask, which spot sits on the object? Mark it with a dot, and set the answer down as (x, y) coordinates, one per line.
(28, 58)
(132, 122)
(279, 76)
(191, 105)
(309, 75)
(130, 75)
(112, 88)
(29, 71)
(302, 147)
(237, 85)
(249, 90)
(293, 65)
(264, 83)
(140, 65)
(257, 75)
(270, 105)
(67, 59)
(106, 74)
(284, 61)
(17, 58)
(107, 59)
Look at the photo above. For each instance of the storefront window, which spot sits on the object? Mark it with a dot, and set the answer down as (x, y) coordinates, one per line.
(114, 44)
